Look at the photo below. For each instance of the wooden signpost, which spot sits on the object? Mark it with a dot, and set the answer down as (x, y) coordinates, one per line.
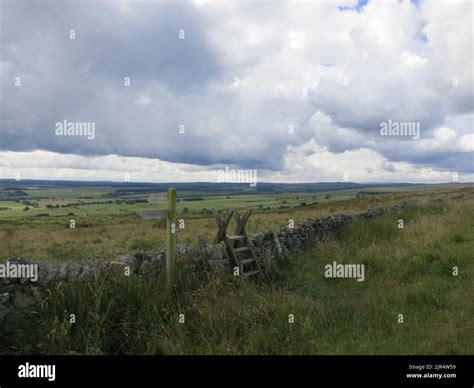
(170, 214)
(170, 238)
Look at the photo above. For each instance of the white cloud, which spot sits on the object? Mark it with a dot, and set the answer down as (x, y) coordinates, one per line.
(466, 143)
(334, 75)
(306, 163)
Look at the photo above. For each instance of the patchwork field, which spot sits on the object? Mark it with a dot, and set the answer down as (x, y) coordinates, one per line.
(35, 220)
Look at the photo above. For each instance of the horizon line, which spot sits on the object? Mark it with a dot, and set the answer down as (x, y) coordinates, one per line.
(234, 183)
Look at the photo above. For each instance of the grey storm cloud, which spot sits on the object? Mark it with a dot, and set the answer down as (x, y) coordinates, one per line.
(191, 82)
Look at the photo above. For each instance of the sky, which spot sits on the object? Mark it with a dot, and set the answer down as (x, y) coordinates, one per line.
(295, 90)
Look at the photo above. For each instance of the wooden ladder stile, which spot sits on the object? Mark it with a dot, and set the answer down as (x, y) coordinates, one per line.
(239, 246)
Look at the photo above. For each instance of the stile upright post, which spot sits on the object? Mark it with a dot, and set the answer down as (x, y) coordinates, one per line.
(171, 238)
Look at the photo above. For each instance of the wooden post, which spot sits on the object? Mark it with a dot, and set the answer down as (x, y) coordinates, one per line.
(170, 238)
(277, 243)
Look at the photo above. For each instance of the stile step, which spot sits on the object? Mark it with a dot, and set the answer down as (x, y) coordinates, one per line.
(242, 249)
(251, 273)
(246, 261)
(234, 237)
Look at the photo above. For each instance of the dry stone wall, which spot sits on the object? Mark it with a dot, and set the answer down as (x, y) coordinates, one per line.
(297, 239)
(20, 296)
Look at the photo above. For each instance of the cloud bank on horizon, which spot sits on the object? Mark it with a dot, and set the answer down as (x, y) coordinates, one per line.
(297, 90)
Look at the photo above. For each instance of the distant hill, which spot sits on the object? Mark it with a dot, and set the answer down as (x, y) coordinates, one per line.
(123, 188)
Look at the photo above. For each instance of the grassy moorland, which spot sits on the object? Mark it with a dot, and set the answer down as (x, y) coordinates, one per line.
(408, 271)
(108, 220)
